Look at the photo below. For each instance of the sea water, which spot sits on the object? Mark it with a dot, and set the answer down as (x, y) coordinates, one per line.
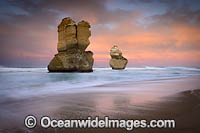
(30, 82)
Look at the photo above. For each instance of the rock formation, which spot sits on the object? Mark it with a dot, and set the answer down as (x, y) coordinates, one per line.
(72, 41)
(117, 61)
(83, 33)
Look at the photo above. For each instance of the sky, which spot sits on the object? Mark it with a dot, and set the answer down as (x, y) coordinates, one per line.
(148, 32)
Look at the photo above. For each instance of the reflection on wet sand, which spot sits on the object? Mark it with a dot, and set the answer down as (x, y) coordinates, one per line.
(130, 100)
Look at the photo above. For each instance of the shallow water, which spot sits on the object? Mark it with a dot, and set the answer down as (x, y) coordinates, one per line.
(28, 82)
(104, 92)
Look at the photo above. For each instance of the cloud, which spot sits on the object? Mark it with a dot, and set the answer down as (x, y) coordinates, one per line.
(147, 32)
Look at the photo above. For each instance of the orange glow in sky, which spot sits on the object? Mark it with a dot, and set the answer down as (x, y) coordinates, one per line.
(148, 34)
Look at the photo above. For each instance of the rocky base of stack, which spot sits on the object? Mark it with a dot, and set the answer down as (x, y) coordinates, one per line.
(73, 60)
(118, 63)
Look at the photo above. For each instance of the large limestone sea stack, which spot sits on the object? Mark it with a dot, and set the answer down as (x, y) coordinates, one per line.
(117, 61)
(72, 41)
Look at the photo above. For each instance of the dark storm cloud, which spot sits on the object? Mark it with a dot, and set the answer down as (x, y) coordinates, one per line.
(181, 14)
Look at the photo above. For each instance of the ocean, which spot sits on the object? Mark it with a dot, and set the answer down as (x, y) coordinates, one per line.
(142, 92)
(29, 82)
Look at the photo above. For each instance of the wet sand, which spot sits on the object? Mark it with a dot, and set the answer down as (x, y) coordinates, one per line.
(177, 99)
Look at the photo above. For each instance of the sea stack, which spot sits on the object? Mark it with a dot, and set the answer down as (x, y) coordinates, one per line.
(117, 61)
(72, 41)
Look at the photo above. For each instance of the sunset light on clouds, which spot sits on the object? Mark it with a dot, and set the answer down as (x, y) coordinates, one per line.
(148, 32)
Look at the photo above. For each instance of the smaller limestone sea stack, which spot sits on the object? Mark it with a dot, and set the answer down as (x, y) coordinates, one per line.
(72, 41)
(117, 61)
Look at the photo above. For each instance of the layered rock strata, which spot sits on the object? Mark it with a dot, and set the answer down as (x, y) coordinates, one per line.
(117, 61)
(72, 41)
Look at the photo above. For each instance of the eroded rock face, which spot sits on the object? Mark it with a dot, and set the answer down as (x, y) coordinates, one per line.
(76, 60)
(66, 35)
(72, 42)
(83, 34)
(117, 61)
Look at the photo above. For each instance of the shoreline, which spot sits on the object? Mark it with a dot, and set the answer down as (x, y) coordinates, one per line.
(127, 100)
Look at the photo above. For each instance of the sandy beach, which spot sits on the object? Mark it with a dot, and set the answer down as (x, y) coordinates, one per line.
(177, 99)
